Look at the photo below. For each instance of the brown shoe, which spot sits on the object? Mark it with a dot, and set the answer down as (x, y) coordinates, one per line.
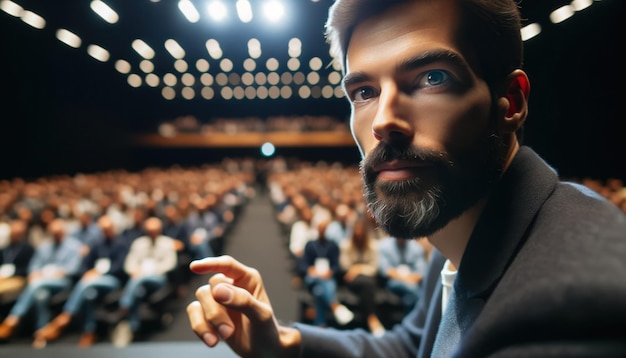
(87, 339)
(53, 330)
(8, 327)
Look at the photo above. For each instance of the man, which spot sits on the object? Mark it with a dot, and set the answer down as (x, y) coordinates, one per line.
(52, 269)
(150, 258)
(438, 99)
(402, 262)
(14, 261)
(102, 272)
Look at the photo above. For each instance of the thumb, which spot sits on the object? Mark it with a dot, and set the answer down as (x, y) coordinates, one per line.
(241, 300)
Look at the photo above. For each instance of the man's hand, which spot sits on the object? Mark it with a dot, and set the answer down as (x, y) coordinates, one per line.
(235, 307)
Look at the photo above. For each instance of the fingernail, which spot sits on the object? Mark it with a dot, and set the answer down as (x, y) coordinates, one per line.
(222, 293)
(210, 339)
(225, 331)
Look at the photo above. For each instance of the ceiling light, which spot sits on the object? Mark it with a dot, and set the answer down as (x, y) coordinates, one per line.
(181, 66)
(134, 80)
(206, 79)
(189, 11)
(273, 10)
(561, 14)
(143, 49)
(174, 49)
(33, 19)
(315, 63)
(214, 49)
(69, 38)
(188, 93)
(170, 79)
(217, 10)
(146, 66)
(579, 5)
(122, 66)
(11, 8)
(530, 31)
(244, 11)
(104, 11)
(98, 53)
(202, 65)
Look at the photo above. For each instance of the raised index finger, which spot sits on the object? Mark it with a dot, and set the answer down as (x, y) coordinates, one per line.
(225, 264)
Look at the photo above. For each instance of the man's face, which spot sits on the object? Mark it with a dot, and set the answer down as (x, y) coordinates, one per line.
(422, 118)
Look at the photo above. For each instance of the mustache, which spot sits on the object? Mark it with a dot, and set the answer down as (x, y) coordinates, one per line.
(385, 152)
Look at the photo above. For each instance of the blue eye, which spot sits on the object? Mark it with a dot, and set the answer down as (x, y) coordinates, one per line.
(436, 78)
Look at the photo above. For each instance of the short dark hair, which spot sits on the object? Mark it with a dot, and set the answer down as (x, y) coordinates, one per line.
(490, 27)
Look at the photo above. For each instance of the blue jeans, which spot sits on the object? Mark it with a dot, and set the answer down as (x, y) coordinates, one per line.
(135, 291)
(38, 293)
(324, 293)
(86, 294)
(409, 294)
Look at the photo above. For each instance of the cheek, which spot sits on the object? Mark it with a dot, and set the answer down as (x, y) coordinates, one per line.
(462, 123)
(361, 129)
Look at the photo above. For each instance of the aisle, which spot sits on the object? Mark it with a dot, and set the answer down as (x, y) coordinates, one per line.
(256, 241)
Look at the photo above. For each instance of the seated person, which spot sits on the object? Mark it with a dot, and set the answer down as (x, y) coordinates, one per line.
(403, 263)
(149, 260)
(319, 266)
(359, 262)
(53, 268)
(14, 260)
(102, 272)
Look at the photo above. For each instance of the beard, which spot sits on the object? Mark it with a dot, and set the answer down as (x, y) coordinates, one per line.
(421, 205)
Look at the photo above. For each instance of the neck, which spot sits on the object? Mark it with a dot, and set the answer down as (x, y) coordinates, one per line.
(452, 239)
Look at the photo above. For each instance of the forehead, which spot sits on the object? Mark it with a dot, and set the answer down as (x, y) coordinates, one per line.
(406, 29)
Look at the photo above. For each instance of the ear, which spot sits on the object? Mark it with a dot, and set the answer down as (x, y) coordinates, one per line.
(514, 103)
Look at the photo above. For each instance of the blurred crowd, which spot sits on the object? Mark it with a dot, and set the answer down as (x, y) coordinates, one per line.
(92, 250)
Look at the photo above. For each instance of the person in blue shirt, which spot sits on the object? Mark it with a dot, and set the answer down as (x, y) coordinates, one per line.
(102, 272)
(402, 262)
(53, 268)
(320, 268)
(14, 261)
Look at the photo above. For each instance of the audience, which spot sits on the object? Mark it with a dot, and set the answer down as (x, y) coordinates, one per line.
(150, 258)
(359, 263)
(52, 269)
(102, 272)
(329, 194)
(14, 261)
(320, 268)
(402, 262)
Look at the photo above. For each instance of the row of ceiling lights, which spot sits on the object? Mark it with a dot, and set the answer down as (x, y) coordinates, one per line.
(218, 11)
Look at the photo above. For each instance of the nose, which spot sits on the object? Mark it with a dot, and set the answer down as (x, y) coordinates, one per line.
(391, 123)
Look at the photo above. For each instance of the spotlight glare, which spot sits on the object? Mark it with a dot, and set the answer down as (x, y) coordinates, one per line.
(273, 10)
(217, 10)
(268, 149)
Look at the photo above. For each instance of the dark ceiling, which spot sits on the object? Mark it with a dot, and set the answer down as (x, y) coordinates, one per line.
(58, 100)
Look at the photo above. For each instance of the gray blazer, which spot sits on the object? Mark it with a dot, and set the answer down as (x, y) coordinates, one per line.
(543, 275)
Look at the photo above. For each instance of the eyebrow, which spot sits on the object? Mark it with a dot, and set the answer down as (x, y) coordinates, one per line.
(412, 63)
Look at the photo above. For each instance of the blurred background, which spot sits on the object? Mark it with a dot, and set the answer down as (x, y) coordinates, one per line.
(94, 85)
(245, 95)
